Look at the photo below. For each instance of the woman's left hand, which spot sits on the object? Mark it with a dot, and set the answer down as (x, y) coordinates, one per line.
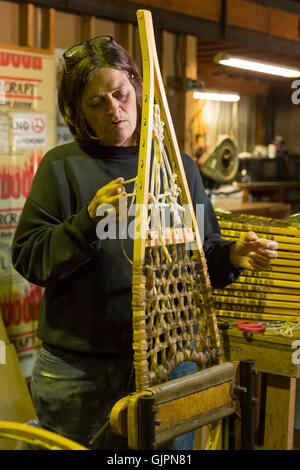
(253, 253)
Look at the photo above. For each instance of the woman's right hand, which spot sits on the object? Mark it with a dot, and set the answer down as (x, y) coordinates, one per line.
(109, 194)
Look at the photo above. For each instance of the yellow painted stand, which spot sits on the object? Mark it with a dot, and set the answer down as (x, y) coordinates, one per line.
(275, 356)
(15, 400)
(37, 437)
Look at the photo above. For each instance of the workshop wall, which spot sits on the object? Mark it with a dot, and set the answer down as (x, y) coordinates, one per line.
(287, 115)
(9, 23)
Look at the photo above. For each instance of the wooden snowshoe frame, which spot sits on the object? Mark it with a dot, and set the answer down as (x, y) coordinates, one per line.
(173, 313)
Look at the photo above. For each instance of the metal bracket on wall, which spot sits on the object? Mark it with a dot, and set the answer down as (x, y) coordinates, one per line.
(186, 84)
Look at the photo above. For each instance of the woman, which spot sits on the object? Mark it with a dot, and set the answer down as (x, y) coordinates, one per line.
(85, 364)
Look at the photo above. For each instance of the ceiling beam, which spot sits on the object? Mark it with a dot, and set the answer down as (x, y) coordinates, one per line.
(286, 5)
(177, 22)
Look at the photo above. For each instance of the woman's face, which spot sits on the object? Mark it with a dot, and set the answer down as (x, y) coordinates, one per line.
(108, 104)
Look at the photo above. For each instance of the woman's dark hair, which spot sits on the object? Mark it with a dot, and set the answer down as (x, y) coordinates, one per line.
(73, 82)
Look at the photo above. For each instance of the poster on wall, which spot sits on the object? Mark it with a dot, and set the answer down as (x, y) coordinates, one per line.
(27, 131)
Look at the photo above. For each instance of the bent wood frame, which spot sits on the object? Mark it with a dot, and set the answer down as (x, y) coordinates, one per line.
(154, 93)
(204, 396)
(37, 436)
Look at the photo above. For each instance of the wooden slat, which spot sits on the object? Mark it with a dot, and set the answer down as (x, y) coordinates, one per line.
(287, 255)
(269, 282)
(35, 50)
(124, 36)
(285, 269)
(237, 315)
(271, 354)
(209, 10)
(87, 24)
(260, 304)
(199, 403)
(262, 288)
(188, 17)
(48, 18)
(262, 229)
(283, 262)
(273, 275)
(285, 243)
(280, 399)
(284, 22)
(240, 13)
(282, 254)
(170, 236)
(242, 294)
(249, 15)
(26, 24)
(269, 20)
(275, 288)
(190, 71)
(259, 310)
(261, 120)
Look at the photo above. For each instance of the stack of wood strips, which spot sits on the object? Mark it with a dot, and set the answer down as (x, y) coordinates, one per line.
(268, 295)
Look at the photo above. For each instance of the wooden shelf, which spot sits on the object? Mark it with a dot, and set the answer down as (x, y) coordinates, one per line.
(272, 191)
(275, 210)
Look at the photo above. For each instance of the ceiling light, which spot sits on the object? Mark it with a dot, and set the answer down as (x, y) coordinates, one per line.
(211, 96)
(254, 66)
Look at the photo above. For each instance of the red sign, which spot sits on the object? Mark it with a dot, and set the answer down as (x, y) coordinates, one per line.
(20, 60)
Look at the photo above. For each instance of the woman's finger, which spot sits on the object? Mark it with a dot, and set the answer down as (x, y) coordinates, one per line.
(111, 188)
(259, 265)
(270, 254)
(249, 237)
(268, 244)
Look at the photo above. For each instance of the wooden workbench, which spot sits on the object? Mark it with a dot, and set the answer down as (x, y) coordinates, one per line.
(274, 210)
(273, 191)
(272, 355)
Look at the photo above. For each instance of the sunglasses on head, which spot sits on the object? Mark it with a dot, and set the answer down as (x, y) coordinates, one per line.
(77, 52)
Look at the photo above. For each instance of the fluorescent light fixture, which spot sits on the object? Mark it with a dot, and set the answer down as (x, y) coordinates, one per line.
(242, 63)
(211, 96)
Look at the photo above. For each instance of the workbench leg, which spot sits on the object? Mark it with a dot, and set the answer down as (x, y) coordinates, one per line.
(280, 411)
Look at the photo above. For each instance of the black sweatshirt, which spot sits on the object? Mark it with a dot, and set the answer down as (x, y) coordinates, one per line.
(86, 304)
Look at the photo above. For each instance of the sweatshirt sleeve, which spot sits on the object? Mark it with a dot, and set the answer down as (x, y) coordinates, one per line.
(47, 245)
(217, 250)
